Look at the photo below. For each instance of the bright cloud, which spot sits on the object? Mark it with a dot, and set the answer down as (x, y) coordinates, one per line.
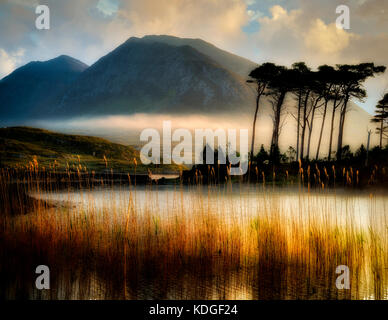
(326, 39)
(8, 62)
(218, 21)
(294, 35)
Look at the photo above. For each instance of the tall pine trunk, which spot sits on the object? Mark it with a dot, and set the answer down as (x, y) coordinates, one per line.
(331, 129)
(298, 124)
(276, 126)
(341, 128)
(310, 133)
(381, 132)
(304, 125)
(254, 127)
(321, 132)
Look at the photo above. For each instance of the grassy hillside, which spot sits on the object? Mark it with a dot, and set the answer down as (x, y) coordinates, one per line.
(20, 145)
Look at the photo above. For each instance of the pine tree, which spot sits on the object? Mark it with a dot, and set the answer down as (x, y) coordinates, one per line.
(381, 117)
(262, 155)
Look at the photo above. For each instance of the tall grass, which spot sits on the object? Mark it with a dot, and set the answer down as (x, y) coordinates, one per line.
(226, 241)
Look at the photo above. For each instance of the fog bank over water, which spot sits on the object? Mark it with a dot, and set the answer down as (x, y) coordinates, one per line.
(126, 129)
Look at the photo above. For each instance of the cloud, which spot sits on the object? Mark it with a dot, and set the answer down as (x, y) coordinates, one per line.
(280, 23)
(289, 36)
(88, 29)
(375, 10)
(218, 21)
(253, 15)
(107, 7)
(8, 61)
(326, 39)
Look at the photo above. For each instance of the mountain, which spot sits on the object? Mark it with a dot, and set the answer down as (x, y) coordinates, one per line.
(142, 81)
(37, 87)
(232, 62)
(153, 74)
(146, 76)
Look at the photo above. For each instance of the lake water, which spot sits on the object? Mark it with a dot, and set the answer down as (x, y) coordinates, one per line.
(238, 205)
(237, 201)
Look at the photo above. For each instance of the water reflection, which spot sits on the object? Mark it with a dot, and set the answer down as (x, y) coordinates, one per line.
(269, 228)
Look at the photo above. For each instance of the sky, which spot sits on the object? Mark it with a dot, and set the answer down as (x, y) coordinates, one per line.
(280, 31)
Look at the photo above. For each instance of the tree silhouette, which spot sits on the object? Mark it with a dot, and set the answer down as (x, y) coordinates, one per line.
(261, 77)
(300, 90)
(361, 154)
(314, 91)
(337, 97)
(316, 96)
(352, 78)
(381, 117)
(326, 76)
(278, 88)
(262, 155)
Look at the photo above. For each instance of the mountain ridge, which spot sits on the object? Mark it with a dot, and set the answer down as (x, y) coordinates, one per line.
(151, 76)
(233, 62)
(36, 87)
(184, 80)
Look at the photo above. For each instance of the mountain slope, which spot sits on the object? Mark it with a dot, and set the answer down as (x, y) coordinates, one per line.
(147, 76)
(66, 143)
(18, 145)
(232, 62)
(37, 87)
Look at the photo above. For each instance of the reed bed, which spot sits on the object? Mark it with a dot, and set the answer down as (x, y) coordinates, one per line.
(229, 241)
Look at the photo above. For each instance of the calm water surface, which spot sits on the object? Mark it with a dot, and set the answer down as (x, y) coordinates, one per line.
(238, 204)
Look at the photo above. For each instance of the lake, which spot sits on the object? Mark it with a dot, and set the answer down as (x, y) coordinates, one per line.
(231, 241)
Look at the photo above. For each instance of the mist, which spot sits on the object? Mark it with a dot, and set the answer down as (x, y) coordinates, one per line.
(126, 129)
